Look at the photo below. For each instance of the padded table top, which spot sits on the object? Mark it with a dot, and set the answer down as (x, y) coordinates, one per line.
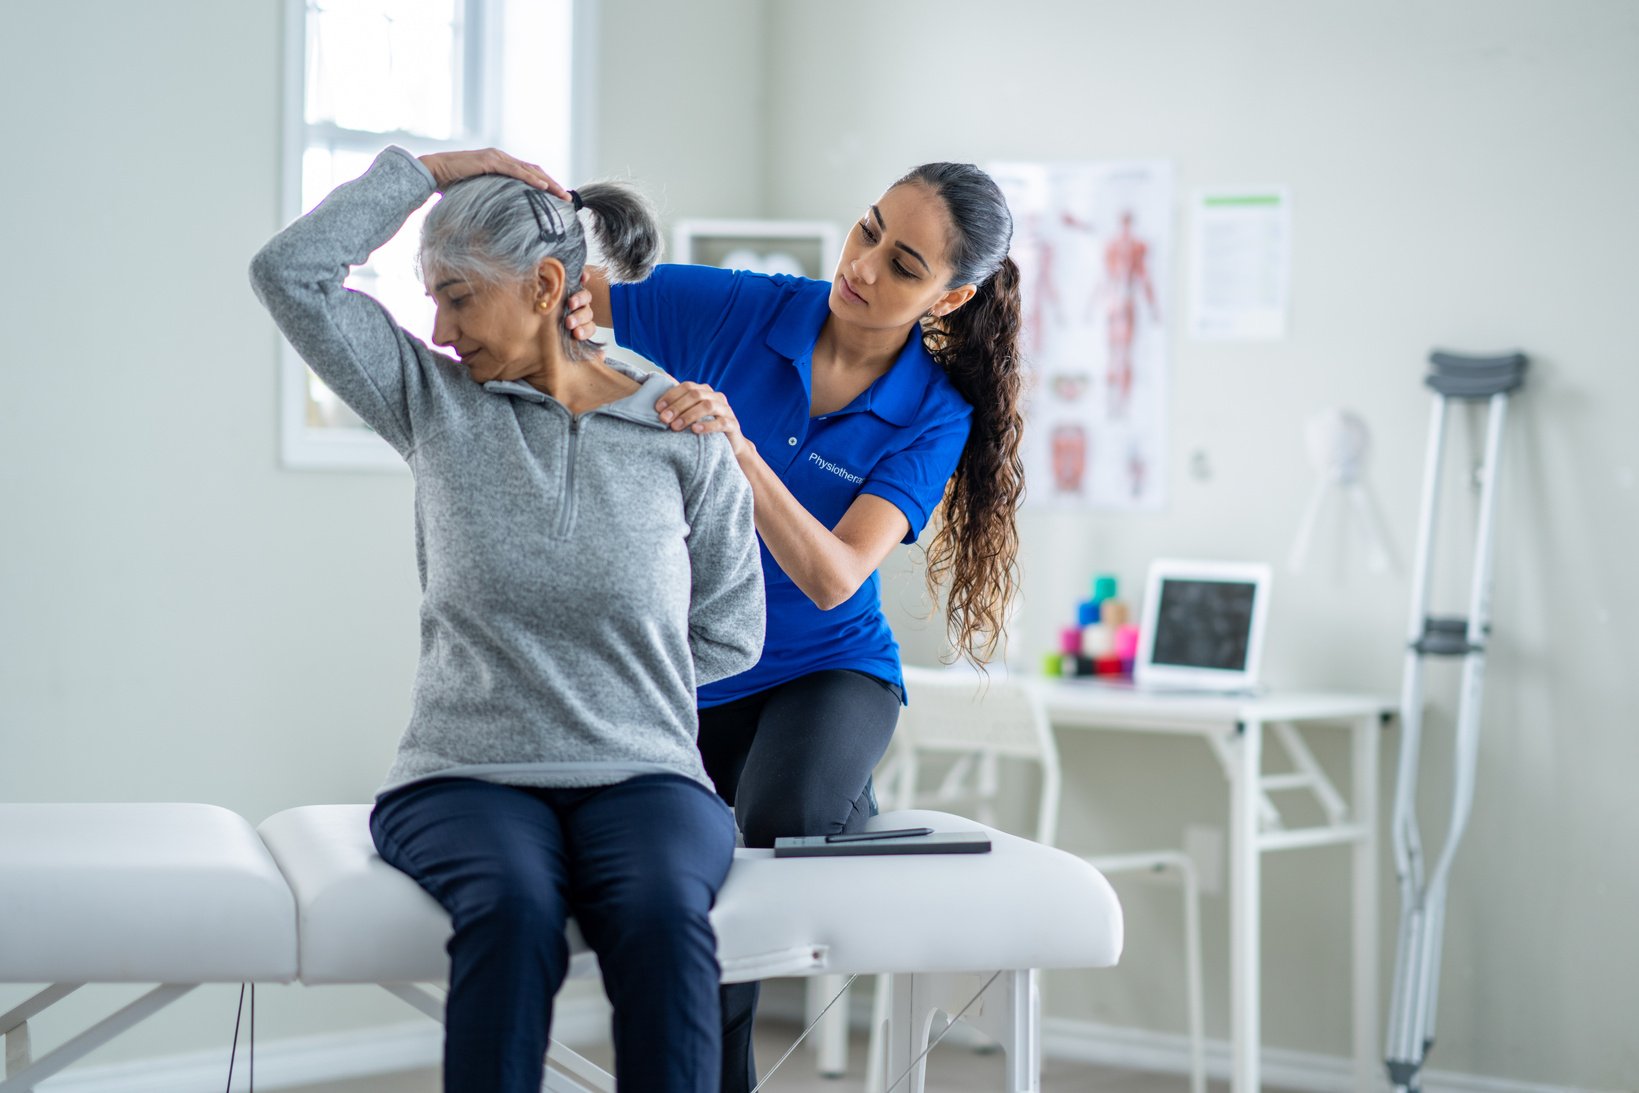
(101, 893)
(1021, 906)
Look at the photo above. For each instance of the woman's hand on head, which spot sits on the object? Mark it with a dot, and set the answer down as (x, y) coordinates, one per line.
(700, 409)
(449, 168)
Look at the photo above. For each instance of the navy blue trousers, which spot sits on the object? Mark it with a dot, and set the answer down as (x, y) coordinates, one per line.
(795, 759)
(637, 864)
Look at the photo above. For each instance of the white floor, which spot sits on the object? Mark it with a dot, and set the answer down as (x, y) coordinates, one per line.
(951, 1069)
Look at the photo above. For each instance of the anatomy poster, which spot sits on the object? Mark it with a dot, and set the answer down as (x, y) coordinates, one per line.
(1093, 242)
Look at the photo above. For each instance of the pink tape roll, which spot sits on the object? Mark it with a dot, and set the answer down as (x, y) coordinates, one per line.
(1126, 641)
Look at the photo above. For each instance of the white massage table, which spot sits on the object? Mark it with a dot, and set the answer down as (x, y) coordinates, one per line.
(182, 894)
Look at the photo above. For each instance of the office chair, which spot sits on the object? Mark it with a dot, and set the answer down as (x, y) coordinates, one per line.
(972, 725)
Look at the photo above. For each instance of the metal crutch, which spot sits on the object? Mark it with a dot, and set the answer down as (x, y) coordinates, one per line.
(1422, 903)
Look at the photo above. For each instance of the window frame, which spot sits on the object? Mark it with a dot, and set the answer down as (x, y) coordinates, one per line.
(484, 119)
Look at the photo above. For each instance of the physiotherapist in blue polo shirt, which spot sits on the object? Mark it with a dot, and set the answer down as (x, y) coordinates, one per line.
(859, 409)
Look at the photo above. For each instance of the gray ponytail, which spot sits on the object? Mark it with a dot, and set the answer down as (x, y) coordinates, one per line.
(496, 230)
(625, 229)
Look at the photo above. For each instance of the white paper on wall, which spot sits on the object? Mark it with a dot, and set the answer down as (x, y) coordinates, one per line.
(1240, 264)
(1093, 242)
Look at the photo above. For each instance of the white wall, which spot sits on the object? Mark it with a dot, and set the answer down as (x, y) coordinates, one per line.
(1462, 176)
(679, 107)
(181, 620)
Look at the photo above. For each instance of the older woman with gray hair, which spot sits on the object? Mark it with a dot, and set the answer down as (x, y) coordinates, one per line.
(583, 568)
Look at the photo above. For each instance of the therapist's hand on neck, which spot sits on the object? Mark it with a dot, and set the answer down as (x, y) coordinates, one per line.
(578, 315)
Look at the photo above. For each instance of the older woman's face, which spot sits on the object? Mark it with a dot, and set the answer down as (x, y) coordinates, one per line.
(495, 330)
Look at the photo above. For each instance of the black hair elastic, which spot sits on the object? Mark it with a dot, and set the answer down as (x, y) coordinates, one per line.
(574, 196)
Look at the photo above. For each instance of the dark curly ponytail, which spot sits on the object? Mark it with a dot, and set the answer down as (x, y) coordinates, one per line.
(976, 541)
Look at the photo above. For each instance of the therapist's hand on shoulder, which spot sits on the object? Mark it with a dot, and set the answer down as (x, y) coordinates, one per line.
(702, 409)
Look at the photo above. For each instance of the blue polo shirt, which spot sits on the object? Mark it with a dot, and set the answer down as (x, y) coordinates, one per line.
(751, 336)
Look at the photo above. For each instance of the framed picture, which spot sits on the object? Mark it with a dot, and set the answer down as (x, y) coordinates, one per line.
(803, 248)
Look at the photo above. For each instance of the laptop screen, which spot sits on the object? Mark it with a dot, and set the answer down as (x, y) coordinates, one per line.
(1204, 624)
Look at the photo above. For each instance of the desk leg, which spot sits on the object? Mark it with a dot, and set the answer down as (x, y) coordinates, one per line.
(1367, 733)
(1245, 912)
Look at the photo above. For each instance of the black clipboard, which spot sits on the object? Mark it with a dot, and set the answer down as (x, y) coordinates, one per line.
(829, 846)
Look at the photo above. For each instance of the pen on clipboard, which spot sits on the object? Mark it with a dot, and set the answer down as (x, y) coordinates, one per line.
(867, 836)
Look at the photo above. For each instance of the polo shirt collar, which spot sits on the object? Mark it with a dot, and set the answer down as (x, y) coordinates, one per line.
(899, 395)
(796, 328)
(895, 397)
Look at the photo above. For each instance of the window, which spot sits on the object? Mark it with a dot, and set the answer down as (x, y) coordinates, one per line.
(429, 75)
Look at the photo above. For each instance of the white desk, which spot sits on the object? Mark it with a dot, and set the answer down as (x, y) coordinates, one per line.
(1234, 727)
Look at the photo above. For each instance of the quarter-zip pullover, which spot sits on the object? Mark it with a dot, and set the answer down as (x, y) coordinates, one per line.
(581, 574)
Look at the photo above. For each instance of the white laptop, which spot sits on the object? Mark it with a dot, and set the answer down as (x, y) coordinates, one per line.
(1202, 627)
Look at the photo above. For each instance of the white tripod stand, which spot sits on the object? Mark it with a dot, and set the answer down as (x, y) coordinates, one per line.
(1338, 442)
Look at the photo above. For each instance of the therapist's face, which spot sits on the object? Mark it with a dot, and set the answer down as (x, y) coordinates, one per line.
(893, 268)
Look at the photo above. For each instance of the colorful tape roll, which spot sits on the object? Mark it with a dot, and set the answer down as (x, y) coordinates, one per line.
(1097, 641)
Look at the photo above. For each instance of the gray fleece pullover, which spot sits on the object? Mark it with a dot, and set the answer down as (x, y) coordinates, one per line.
(580, 575)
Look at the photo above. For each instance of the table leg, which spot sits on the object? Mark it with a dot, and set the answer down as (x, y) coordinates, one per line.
(1366, 735)
(1244, 912)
